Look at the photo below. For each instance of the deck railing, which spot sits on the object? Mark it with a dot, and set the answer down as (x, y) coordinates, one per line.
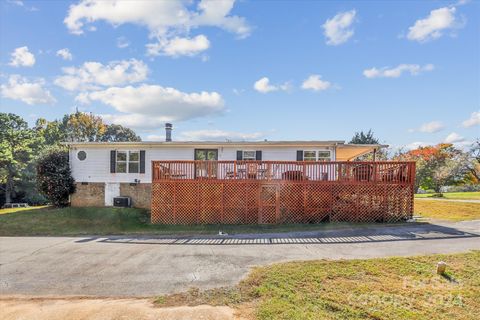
(245, 192)
(377, 172)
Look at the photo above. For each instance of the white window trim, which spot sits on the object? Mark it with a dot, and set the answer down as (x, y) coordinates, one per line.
(250, 158)
(127, 160)
(329, 158)
(317, 155)
(305, 151)
(137, 162)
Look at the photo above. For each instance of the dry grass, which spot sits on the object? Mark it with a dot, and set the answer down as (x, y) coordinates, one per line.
(453, 195)
(447, 210)
(392, 288)
(13, 210)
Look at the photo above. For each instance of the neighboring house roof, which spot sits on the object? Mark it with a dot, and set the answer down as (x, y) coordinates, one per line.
(344, 152)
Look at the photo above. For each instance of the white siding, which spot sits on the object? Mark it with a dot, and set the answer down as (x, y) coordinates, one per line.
(96, 167)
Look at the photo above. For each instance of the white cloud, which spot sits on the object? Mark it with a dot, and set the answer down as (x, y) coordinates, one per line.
(21, 57)
(91, 75)
(122, 42)
(474, 120)
(65, 54)
(166, 20)
(413, 69)
(433, 26)
(151, 105)
(338, 29)
(430, 127)
(263, 85)
(179, 46)
(218, 135)
(454, 138)
(30, 92)
(315, 83)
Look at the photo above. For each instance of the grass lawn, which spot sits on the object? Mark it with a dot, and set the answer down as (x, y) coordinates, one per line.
(117, 221)
(392, 288)
(453, 195)
(447, 210)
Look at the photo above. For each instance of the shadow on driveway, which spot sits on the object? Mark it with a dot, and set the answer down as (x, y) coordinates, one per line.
(353, 235)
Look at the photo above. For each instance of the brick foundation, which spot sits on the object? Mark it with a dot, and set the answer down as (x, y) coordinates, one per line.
(140, 194)
(88, 195)
(93, 194)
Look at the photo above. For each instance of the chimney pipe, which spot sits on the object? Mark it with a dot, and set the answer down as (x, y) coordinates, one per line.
(168, 132)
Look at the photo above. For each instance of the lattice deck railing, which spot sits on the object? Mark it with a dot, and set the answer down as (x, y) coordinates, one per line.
(194, 192)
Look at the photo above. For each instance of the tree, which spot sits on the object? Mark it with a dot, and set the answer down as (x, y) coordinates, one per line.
(437, 166)
(118, 133)
(16, 142)
(54, 178)
(50, 131)
(368, 138)
(82, 127)
(364, 138)
(473, 167)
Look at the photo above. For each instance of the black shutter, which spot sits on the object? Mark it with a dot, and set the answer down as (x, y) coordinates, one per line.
(299, 155)
(113, 160)
(258, 155)
(239, 155)
(142, 161)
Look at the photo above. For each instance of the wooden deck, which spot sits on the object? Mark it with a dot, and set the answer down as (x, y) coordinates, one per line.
(239, 192)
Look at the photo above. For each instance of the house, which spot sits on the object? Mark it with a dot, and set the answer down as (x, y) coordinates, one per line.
(104, 170)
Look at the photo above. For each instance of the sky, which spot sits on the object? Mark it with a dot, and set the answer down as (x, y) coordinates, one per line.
(249, 70)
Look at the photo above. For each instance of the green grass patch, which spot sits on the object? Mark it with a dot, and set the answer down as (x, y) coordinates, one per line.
(391, 288)
(452, 195)
(72, 221)
(447, 210)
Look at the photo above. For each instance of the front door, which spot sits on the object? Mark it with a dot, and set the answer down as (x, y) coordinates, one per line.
(206, 169)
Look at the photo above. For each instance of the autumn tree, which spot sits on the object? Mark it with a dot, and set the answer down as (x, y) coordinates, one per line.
(437, 166)
(83, 127)
(473, 175)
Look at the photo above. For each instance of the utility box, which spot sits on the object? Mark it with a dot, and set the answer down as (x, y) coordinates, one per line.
(121, 202)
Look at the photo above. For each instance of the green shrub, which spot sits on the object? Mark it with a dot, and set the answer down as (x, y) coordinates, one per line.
(54, 178)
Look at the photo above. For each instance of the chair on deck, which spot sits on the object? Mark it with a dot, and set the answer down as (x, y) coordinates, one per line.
(395, 174)
(167, 173)
(363, 172)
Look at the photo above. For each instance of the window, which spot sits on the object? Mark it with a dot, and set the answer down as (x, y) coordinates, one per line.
(121, 162)
(128, 162)
(133, 161)
(323, 155)
(309, 156)
(249, 155)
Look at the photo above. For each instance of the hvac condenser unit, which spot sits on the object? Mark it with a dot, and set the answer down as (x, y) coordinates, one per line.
(121, 202)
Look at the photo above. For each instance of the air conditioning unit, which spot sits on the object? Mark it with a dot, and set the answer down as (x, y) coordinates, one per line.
(121, 202)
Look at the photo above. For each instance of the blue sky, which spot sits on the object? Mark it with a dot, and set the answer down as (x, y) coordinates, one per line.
(286, 70)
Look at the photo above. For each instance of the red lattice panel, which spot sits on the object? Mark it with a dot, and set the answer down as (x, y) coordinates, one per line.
(252, 201)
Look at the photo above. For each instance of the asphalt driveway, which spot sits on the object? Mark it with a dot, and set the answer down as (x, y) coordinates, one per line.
(125, 266)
